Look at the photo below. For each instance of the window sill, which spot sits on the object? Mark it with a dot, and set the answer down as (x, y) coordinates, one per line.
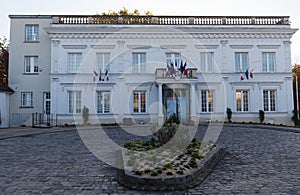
(31, 73)
(31, 41)
(26, 107)
(139, 113)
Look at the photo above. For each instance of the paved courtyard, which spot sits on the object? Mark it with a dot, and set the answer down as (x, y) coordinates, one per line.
(259, 160)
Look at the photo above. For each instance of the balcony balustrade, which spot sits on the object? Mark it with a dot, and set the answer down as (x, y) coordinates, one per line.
(163, 73)
(171, 20)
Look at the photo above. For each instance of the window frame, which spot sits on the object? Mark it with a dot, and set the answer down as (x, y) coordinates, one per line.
(73, 107)
(206, 106)
(104, 63)
(239, 65)
(102, 109)
(28, 98)
(174, 57)
(139, 66)
(32, 37)
(271, 106)
(139, 109)
(266, 67)
(244, 104)
(207, 67)
(74, 68)
(34, 68)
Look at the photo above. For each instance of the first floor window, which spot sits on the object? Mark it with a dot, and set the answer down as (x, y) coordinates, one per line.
(207, 101)
(74, 102)
(103, 61)
(139, 102)
(139, 60)
(32, 33)
(74, 61)
(26, 99)
(103, 102)
(269, 98)
(206, 61)
(31, 64)
(241, 98)
(268, 61)
(173, 59)
(241, 61)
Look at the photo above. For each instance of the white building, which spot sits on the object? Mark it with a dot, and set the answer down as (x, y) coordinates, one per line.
(55, 65)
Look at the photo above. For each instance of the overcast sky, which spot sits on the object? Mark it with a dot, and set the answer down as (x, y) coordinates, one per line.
(159, 7)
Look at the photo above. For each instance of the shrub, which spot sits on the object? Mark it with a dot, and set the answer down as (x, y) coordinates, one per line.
(229, 115)
(261, 116)
(85, 115)
(295, 117)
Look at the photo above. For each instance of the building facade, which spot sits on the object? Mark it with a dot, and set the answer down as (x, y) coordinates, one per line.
(146, 69)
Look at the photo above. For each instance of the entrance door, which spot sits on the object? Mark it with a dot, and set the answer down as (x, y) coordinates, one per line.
(176, 102)
(47, 105)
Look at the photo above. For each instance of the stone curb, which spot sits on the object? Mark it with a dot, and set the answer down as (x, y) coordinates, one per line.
(171, 183)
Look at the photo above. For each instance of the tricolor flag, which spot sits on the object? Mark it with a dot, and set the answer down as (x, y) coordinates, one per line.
(106, 76)
(242, 78)
(100, 75)
(95, 75)
(251, 74)
(247, 74)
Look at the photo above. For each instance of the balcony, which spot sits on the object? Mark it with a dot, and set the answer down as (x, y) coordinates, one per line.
(163, 73)
(171, 20)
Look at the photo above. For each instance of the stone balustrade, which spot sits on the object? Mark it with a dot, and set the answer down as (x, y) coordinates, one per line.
(171, 20)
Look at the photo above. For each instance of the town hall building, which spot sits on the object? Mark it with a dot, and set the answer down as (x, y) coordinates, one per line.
(146, 69)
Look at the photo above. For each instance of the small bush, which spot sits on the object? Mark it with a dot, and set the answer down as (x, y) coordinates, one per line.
(261, 116)
(229, 115)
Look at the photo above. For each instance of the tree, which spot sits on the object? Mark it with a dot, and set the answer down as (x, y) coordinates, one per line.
(125, 12)
(4, 57)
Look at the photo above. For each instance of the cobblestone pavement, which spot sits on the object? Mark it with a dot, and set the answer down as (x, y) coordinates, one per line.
(258, 161)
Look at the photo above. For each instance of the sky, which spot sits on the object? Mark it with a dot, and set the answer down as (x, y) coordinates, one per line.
(159, 7)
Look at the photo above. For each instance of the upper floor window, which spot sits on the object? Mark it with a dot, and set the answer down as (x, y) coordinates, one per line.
(241, 61)
(241, 98)
(268, 61)
(74, 61)
(31, 64)
(207, 101)
(269, 98)
(139, 102)
(74, 102)
(26, 99)
(32, 33)
(206, 61)
(173, 58)
(139, 62)
(103, 102)
(103, 61)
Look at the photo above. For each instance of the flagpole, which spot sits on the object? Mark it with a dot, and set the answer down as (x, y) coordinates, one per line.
(297, 94)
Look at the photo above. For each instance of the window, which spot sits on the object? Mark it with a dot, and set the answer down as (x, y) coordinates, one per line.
(103, 61)
(103, 102)
(241, 98)
(26, 99)
(74, 61)
(138, 62)
(268, 61)
(241, 61)
(173, 58)
(139, 102)
(31, 64)
(207, 101)
(206, 61)
(74, 101)
(269, 98)
(32, 33)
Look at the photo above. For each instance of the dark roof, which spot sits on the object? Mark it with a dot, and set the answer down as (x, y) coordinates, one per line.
(4, 88)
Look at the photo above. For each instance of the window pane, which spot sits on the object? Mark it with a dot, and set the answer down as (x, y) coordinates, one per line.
(238, 96)
(135, 102)
(143, 102)
(210, 101)
(272, 100)
(245, 100)
(203, 97)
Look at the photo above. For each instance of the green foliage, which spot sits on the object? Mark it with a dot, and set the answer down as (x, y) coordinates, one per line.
(4, 57)
(172, 119)
(125, 12)
(261, 114)
(168, 165)
(229, 115)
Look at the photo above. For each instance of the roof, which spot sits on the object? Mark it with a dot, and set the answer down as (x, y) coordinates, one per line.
(4, 88)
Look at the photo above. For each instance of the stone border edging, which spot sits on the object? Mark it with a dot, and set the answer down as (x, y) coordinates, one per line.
(170, 183)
